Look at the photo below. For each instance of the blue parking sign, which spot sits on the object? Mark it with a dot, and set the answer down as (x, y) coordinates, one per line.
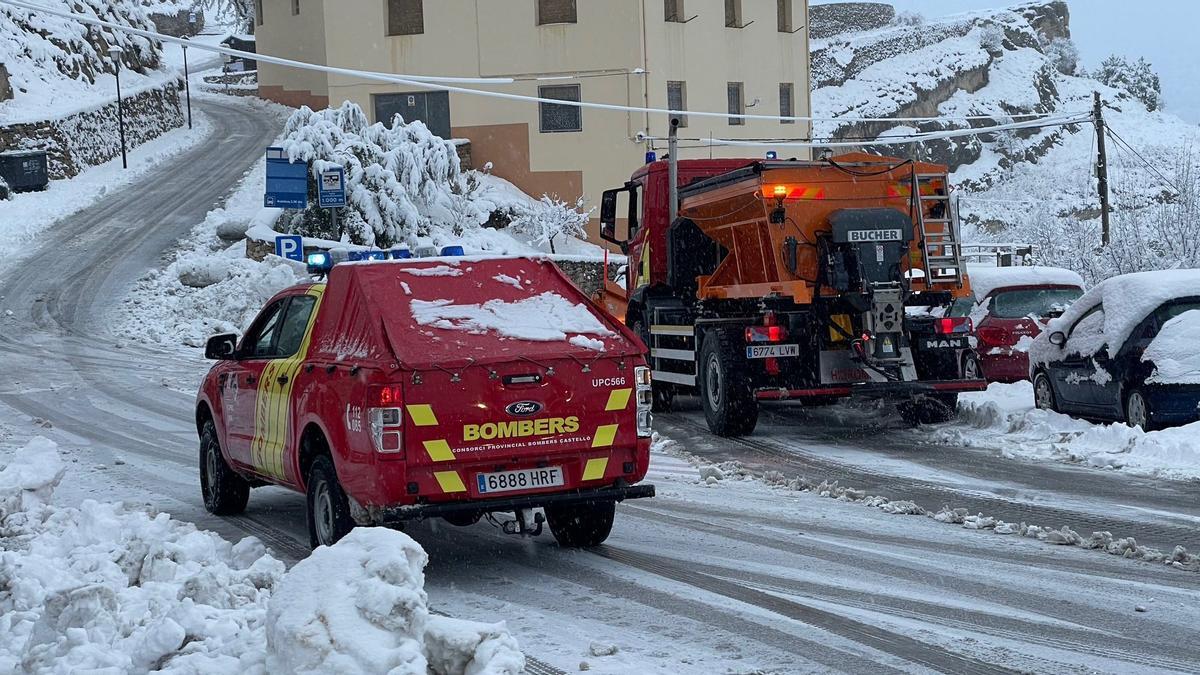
(290, 246)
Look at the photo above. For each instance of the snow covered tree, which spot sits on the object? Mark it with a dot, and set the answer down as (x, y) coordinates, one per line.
(238, 12)
(1063, 55)
(1137, 79)
(550, 218)
(401, 182)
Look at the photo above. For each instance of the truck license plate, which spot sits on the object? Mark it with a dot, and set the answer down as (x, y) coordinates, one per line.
(524, 479)
(772, 351)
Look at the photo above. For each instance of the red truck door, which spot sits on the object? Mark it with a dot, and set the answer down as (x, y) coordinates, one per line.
(245, 376)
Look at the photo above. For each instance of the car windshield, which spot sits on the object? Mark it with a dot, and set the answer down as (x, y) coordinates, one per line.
(1039, 302)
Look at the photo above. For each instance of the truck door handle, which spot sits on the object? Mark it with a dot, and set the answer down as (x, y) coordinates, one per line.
(282, 379)
(250, 379)
(221, 380)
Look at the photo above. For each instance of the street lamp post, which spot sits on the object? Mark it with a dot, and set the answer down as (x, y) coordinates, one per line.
(115, 52)
(187, 86)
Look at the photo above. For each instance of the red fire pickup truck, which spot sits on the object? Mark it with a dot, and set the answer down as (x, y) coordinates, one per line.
(436, 387)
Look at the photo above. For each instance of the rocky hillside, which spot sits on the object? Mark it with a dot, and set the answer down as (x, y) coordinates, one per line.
(1032, 185)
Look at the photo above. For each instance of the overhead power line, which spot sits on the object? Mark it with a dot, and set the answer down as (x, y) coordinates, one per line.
(1121, 141)
(449, 84)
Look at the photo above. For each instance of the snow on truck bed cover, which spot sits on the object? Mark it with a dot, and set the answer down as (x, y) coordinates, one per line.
(440, 311)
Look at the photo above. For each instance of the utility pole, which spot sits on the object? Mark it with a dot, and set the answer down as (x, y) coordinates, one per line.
(1101, 167)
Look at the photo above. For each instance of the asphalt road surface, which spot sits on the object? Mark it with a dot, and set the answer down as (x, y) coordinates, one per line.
(734, 577)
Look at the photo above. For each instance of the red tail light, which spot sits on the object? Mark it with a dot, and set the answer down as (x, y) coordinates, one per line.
(390, 396)
(954, 324)
(991, 336)
(766, 334)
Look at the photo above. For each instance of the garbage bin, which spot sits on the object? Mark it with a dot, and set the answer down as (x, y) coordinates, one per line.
(24, 170)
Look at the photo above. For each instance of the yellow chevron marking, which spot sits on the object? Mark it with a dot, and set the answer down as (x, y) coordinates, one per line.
(594, 469)
(422, 415)
(439, 450)
(449, 481)
(605, 434)
(618, 399)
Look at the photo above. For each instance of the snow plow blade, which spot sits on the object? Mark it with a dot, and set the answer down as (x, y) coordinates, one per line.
(874, 390)
(616, 493)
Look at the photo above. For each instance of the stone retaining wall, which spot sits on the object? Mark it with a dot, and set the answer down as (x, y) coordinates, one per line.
(846, 17)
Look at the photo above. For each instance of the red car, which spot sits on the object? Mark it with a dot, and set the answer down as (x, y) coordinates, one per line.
(1010, 308)
(449, 388)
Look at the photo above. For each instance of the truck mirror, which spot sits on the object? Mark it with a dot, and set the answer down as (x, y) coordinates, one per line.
(608, 216)
(221, 347)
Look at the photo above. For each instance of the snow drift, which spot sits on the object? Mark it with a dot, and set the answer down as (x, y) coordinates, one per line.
(107, 588)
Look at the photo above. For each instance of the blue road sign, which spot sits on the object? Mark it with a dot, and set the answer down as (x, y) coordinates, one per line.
(287, 182)
(290, 246)
(331, 188)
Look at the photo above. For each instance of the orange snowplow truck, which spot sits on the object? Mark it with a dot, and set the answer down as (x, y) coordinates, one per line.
(803, 280)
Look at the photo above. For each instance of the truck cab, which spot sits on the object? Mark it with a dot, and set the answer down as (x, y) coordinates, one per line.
(449, 388)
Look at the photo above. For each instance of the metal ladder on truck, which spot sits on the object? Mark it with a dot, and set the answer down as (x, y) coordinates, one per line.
(939, 230)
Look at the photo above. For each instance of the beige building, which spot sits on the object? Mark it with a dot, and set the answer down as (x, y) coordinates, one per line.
(747, 56)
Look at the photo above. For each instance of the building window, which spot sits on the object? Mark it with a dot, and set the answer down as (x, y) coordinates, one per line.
(295, 7)
(673, 11)
(733, 13)
(677, 99)
(737, 103)
(784, 10)
(258, 13)
(405, 17)
(556, 118)
(786, 105)
(556, 11)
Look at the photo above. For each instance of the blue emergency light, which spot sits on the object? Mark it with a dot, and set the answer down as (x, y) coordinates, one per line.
(356, 256)
(320, 262)
(401, 254)
(651, 157)
(377, 255)
(771, 154)
(453, 251)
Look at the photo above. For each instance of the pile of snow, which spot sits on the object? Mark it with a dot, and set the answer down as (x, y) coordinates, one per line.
(361, 607)
(546, 317)
(58, 66)
(986, 279)
(106, 588)
(1127, 299)
(1174, 351)
(1004, 419)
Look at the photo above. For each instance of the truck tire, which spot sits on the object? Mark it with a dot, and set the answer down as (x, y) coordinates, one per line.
(663, 394)
(729, 405)
(225, 492)
(581, 525)
(328, 509)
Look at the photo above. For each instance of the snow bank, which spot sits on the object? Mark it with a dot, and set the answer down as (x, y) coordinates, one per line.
(545, 317)
(1173, 351)
(1004, 419)
(1127, 299)
(107, 589)
(360, 607)
(984, 279)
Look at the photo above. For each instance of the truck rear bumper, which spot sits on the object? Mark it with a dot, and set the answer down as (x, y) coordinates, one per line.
(399, 514)
(892, 390)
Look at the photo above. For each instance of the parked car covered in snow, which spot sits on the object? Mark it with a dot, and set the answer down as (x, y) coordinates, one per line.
(1009, 309)
(1127, 350)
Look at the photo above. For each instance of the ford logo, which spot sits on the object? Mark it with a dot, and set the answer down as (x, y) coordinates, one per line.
(523, 408)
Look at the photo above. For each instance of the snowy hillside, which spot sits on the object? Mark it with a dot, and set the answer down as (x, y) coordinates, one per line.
(57, 66)
(1033, 185)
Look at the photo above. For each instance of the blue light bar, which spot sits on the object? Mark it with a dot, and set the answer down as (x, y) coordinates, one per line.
(401, 254)
(356, 256)
(771, 154)
(320, 262)
(453, 251)
(377, 255)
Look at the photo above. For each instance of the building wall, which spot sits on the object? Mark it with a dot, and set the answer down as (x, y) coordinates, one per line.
(620, 51)
(300, 37)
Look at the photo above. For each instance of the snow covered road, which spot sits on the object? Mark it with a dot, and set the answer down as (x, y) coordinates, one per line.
(730, 577)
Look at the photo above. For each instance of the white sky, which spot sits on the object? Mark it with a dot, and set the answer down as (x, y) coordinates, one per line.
(1163, 31)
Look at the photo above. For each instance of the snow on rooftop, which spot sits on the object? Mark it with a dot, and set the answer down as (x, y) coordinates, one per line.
(985, 280)
(545, 317)
(436, 271)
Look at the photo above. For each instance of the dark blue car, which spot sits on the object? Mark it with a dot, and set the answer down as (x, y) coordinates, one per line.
(1128, 350)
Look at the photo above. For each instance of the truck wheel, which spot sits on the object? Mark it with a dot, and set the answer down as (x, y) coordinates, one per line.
(663, 394)
(225, 492)
(328, 509)
(581, 525)
(729, 405)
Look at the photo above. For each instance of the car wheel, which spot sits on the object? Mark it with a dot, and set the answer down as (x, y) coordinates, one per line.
(328, 509)
(225, 492)
(729, 405)
(971, 369)
(581, 525)
(1137, 411)
(1043, 393)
